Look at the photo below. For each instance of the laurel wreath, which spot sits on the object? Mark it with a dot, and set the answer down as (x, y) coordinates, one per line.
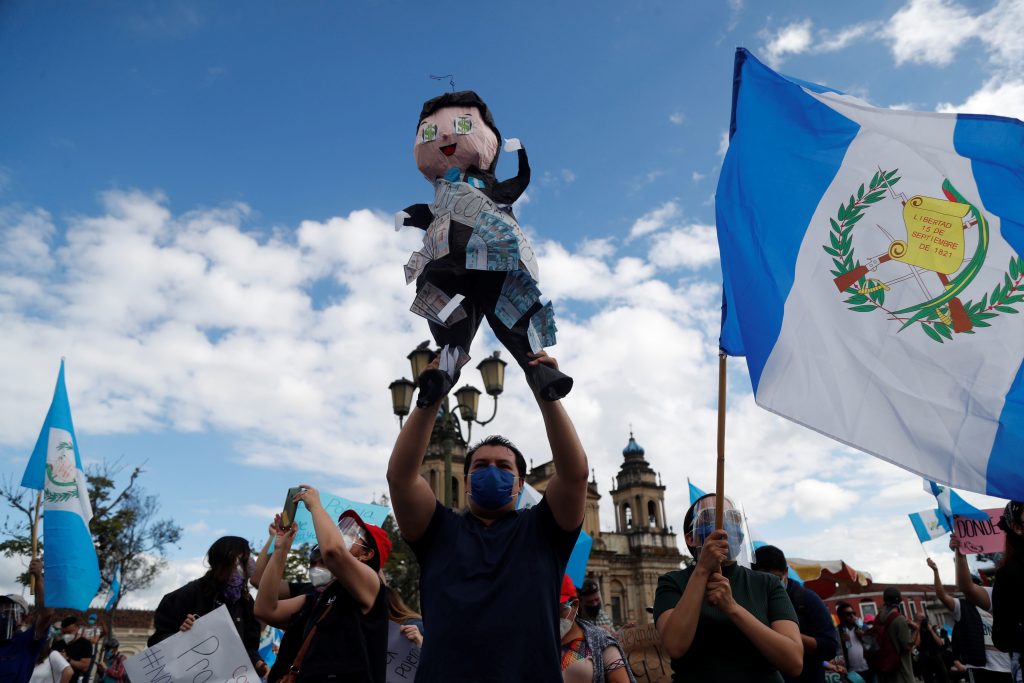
(868, 294)
(51, 497)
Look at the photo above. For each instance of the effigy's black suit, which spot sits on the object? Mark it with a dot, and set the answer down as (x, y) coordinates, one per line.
(476, 208)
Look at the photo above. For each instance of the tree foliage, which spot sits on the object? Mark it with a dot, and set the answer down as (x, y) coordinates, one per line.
(402, 570)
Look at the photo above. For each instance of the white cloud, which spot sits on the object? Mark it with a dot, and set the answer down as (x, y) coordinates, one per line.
(815, 499)
(637, 183)
(792, 39)
(692, 246)
(1002, 99)
(655, 220)
(929, 31)
(558, 179)
(829, 41)
(697, 176)
(597, 248)
(933, 31)
(676, 118)
(723, 143)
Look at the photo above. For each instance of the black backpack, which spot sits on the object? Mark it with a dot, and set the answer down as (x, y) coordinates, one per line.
(969, 636)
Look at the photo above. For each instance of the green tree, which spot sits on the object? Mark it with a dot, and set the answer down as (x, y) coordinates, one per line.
(297, 565)
(402, 571)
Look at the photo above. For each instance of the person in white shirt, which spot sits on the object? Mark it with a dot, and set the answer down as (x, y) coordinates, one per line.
(51, 667)
(995, 665)
(850, 634)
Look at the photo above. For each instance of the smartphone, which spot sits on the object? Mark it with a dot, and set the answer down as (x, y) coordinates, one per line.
(288, 513)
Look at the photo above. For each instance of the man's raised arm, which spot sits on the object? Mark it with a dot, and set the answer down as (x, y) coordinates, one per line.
(567, 491)
(411, 496)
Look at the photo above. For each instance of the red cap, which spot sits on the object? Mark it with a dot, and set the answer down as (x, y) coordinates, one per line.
(378, 537)
(568, 590)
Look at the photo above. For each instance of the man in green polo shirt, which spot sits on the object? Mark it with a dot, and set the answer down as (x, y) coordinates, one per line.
(720, 621)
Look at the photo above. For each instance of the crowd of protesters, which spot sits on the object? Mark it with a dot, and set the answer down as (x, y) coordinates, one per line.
(498, 607)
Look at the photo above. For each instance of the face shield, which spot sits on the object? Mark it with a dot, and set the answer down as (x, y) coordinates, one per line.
(11, 614)
(352, 533)
(733, 521)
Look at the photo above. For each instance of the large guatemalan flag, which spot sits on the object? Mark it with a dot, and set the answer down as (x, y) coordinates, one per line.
(71, 568)
(872, 275)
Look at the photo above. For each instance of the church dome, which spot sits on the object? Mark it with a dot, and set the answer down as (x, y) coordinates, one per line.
(633, 450)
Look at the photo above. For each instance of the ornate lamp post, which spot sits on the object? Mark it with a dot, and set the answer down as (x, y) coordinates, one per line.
(448, 428)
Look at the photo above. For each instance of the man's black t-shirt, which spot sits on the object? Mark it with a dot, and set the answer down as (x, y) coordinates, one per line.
(79, 648)
(490, 596)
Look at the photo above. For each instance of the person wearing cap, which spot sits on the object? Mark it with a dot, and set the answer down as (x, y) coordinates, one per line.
(489, 575)
(718, 620)
(590, 606)
(589, 653)
(817, 633)
(972, 622)
(904, 636)
(19, 649)
(1008, 587)
(345, 625)
(231, 564)
(111, 664)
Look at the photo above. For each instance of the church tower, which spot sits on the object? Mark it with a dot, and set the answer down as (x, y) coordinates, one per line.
(639, 500)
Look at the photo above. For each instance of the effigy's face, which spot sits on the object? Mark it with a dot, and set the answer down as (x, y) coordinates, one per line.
(453, 137)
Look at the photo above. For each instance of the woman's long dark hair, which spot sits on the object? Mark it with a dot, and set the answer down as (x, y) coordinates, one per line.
(224, 554)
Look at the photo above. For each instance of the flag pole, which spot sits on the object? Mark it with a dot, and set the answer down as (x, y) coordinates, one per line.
(35, 542)
(720, 478)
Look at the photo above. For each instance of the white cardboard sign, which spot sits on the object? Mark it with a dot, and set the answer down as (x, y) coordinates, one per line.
(209, 652)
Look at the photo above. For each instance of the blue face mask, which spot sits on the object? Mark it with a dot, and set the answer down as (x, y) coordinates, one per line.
(491, 488)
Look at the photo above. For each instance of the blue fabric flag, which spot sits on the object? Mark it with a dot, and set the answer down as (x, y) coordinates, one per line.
(69, 559)
(115, 590)
(929, 524)
(695, 493)
(952, 505)
(270, 641)
(576, 568)
(871, 275)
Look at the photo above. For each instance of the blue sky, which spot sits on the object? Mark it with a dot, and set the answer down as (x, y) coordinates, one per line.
(195, 205)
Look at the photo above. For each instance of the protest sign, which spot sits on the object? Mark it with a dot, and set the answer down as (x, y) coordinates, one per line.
(334, 506)
(403, 656)
(980, 536)
(209, 652)
(646, 656)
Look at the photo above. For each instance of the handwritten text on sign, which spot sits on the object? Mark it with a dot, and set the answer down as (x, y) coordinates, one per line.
(646, 657)
(209, 652)
(403, 656)
(980, 536)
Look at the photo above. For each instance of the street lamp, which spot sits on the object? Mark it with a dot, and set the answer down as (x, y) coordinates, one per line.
(401, 397)
(448, 428)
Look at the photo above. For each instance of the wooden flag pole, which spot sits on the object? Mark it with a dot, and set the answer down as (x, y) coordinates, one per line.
(35, 542)
(720, 479)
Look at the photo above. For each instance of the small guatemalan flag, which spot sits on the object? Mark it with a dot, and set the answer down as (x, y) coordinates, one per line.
(55, 467)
